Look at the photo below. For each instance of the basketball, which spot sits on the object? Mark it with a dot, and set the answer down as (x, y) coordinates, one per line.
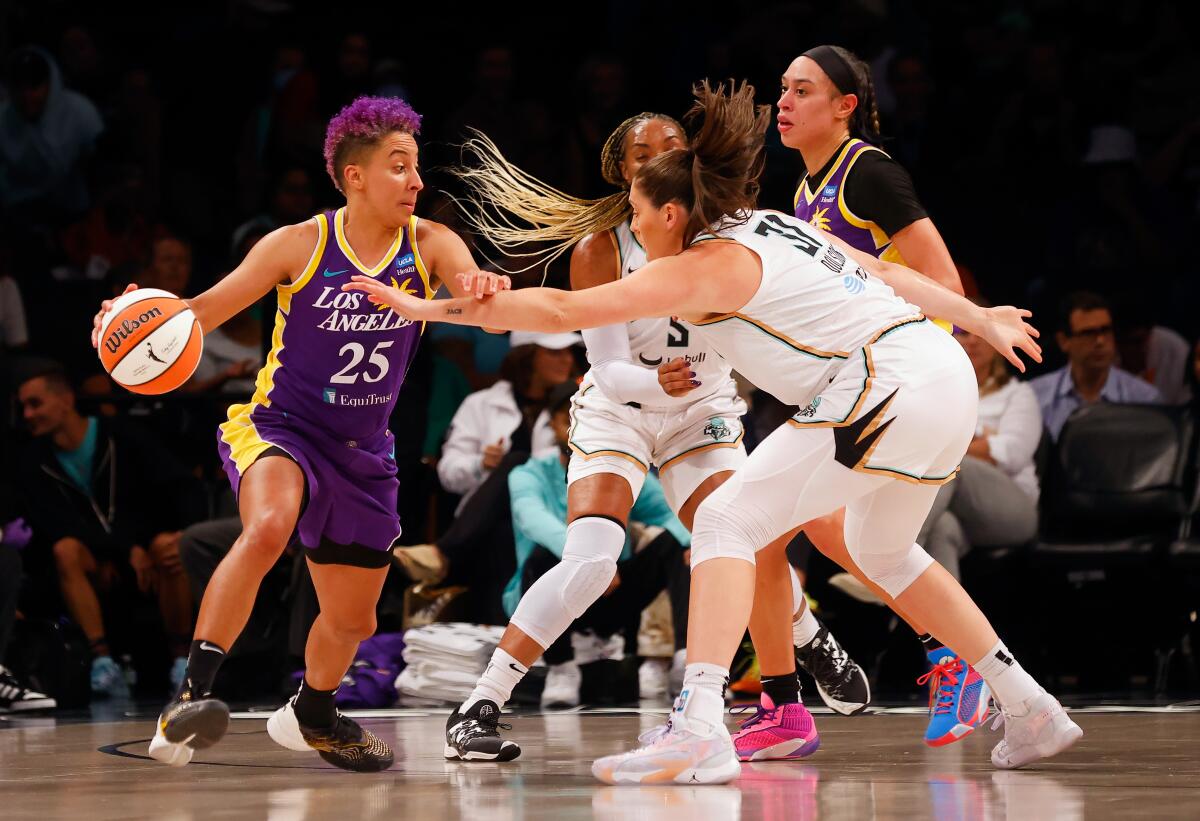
(150, 342)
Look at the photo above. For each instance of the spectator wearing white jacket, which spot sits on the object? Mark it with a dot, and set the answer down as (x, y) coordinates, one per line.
(508, 416)
(993, 502)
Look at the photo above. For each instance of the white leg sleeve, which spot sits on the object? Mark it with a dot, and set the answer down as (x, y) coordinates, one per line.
(789, 479)
(880, 529)
(589, 560)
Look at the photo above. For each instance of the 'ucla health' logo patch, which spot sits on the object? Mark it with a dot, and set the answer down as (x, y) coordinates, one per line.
(406, 264)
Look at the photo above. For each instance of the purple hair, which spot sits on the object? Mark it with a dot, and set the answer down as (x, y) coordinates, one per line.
(365, 121)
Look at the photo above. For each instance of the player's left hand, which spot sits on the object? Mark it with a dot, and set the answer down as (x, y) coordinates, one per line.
(482, 284)
(1006, 330)
(406, 305)
(677, 377)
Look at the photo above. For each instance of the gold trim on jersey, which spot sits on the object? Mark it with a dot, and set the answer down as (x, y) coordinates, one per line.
(803, 189)
(238, 431)
(339, 219)
(422, 269)
(419, 262)
(887, 329)
(878, 235)
(779, 335)
(869, 370)
(283, 292)
(696, 451)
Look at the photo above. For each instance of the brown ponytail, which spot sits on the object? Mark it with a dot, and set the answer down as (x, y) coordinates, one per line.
(716, 179)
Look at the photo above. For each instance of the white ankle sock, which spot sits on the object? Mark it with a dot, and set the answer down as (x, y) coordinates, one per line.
(805, 628)
(1008, 680)
(503, 673)
(702, 699)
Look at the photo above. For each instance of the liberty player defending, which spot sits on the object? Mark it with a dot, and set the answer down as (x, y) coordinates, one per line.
(310, 455)
(632, 411)
(891, 408)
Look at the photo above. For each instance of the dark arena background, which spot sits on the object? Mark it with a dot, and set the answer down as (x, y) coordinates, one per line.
(1054, 144)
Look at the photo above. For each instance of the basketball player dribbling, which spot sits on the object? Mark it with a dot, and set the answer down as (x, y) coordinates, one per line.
(310, 455)
(891, 404)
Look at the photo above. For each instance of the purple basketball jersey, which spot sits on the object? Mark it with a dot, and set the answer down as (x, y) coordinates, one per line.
(824, 206)
(337, 360)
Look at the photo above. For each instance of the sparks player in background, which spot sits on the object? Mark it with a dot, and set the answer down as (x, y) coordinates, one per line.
(656, 394)
(855, 191)
(891, 404)
(310, 455)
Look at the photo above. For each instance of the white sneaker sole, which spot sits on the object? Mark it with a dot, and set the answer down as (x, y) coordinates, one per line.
(1064, 736)
(284, 730)
(724, 769)
(195, 727)
(174, 755)
(452, 754)
(785, 750)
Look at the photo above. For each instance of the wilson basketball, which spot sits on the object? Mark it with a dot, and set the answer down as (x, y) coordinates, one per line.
(150, 342)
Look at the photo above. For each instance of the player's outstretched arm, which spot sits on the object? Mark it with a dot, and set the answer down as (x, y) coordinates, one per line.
(1004, 327)
(698, 282)
(446, 254)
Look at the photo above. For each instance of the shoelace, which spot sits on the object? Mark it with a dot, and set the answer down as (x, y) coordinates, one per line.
(761, 714)
(655, 734)
(475, 727)
(945, 679)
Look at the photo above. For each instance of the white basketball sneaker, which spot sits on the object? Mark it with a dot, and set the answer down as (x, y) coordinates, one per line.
(682, 751)
(562, 686)
(186, 725)
(1042, 729)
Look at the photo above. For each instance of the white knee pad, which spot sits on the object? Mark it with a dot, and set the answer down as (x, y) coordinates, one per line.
(722, 530)
(894, 570)
(594, 544)
(589, 560)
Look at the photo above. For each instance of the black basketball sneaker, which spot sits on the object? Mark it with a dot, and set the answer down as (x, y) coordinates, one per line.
(474, 735)
(346, 744)
(840, 681)
(188, 723)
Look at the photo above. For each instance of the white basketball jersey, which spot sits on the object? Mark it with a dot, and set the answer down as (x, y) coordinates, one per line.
(814, 307)
(655, 341)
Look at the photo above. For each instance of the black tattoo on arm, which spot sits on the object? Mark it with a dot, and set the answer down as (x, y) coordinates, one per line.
(453, 311)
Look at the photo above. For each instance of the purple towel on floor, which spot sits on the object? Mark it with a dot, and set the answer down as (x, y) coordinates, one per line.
(371, 680)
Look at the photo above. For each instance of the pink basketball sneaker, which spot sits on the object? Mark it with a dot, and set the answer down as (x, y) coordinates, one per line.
(777, 733)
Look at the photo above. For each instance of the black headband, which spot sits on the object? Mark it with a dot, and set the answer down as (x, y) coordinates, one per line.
(835, 68)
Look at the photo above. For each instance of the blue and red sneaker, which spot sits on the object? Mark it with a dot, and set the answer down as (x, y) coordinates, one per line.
(776, 733)
(958, 698)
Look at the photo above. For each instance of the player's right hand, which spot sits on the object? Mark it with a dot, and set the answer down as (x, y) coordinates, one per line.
(677, 377)
(105, 307)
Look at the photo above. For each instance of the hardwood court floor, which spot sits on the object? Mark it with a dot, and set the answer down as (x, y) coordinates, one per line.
(1128, 764)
